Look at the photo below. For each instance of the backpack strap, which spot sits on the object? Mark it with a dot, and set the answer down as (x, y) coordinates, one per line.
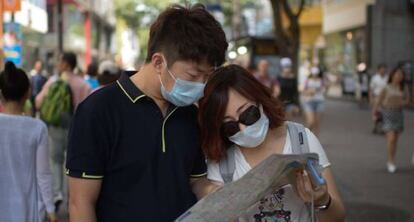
(298, 138)
(228, 165)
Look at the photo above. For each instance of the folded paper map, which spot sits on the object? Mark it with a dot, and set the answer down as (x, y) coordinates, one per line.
(227, 203)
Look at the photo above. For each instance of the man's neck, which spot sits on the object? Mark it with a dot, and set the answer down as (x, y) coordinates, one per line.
(147, 80)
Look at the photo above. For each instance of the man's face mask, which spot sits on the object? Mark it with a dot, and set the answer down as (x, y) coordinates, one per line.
(183, 93)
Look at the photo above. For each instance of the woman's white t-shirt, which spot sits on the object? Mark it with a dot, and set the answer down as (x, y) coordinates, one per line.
(282, 205)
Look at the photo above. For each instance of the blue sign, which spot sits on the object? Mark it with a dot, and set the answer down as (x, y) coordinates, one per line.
(13, 43)
(13, 54)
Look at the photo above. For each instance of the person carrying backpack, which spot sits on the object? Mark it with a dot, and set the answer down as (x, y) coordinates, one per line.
(242, 125)
(57, 102)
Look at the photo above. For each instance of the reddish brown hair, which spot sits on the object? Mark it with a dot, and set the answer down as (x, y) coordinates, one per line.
(213, 106)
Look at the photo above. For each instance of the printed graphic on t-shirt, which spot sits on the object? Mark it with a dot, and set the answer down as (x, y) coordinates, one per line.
(271, 208)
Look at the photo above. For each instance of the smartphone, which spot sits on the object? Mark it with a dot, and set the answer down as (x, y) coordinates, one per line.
(312, 166)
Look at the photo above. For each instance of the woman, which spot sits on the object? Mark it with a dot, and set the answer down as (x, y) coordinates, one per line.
(25, 178)
(391, 101)
(313, 99)
(233, 105)
(288, 89)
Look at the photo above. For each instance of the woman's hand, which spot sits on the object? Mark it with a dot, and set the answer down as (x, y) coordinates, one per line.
(305, 189)
(51, 217)
(374, 115)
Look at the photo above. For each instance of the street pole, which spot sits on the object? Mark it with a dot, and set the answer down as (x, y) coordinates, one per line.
(236, 19)
(60, 26)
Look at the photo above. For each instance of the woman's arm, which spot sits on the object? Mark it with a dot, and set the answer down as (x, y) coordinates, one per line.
(44, 175)
(377, 104)
(203, 187)
(406, 100)
(336, 211)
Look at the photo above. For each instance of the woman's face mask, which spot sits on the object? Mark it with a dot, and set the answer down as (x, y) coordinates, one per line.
(183, 93)
(257, 126)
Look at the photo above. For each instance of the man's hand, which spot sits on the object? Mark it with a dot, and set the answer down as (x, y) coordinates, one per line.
(203, 186)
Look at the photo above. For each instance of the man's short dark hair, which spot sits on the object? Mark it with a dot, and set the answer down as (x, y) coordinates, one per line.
(70, 59)
(92, 69)
(187, 33)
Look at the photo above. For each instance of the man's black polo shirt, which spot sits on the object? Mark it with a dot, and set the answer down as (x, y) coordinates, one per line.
(145, 161)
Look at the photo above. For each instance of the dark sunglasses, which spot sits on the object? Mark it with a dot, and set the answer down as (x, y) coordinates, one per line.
(247, 118)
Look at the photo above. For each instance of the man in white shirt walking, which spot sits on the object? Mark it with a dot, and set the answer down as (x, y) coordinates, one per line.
(378, 83)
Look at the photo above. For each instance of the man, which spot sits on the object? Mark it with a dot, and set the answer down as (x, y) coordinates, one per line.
(37, 80)
(108, 72)
(378, 83)
(58, 134)
(134, 152)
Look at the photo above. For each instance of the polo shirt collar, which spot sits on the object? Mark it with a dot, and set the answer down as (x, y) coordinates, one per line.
(128, 87)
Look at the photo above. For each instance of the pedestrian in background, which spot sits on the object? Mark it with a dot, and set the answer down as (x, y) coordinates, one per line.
(363, 80)
(288, 84)
(108, 72)
(25, 177)
(58, 133)
(38, 80)
(313, 98)
(91, 74)
(392, 99)
(378, 83)
(262, 74)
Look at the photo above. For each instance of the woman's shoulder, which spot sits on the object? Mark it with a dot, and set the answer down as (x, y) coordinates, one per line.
(27, 123)
(314, 145)
(31, 122)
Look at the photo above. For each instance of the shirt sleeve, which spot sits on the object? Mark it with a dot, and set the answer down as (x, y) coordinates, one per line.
(213, 171)
(43, 173)
(200, 167)
(316, 147)
(88, 143)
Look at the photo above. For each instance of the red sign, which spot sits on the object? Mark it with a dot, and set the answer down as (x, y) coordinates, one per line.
(12, 5)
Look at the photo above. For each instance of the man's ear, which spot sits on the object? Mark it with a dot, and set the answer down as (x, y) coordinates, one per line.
(157, 61)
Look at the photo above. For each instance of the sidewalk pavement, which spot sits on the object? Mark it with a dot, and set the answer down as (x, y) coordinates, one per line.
(359, 162)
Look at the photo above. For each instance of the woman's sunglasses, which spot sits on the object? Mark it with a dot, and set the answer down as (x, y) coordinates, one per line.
(247, 118)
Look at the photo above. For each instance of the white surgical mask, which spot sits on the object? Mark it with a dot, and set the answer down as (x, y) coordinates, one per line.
(253, 135)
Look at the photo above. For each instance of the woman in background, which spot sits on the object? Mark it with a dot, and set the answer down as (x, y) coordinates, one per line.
(391, 101)
(313, 99)
(25, 178)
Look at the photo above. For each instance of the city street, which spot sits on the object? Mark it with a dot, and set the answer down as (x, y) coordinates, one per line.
(359, 162)
(66, 66)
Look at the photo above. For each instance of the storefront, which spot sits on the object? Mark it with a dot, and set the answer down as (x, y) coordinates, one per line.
(32, 23)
